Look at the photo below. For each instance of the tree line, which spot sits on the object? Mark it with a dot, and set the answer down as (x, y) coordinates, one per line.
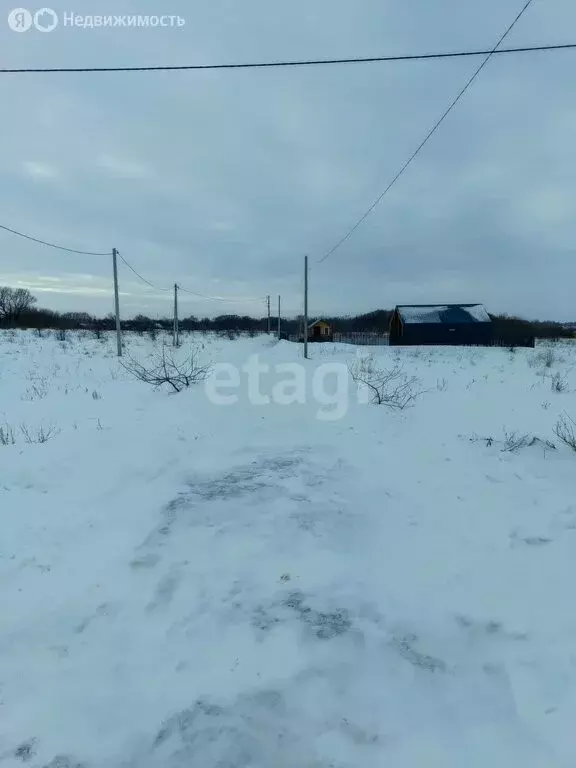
(18, 309)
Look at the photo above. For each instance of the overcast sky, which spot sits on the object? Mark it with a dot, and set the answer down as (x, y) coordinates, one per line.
(222, 181)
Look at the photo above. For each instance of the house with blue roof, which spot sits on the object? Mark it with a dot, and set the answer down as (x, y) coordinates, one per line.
(446, 324)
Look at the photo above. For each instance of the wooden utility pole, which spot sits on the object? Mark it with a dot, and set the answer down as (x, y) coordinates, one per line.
(306, 307)
(279, 322)
(117, 301)
(176, 340)
(268, 304)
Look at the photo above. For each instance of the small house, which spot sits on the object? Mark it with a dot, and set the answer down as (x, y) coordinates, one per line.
(446, 324)
(320, 331)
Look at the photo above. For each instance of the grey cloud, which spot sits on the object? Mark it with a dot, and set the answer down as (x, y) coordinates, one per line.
(233, 176)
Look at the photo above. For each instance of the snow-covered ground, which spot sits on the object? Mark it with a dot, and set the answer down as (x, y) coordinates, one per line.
(322, 584)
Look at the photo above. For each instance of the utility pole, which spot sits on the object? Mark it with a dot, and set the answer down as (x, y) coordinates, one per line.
(306, 307)
(268, 303)
(117, 301)
(176, 340)
(279, 329)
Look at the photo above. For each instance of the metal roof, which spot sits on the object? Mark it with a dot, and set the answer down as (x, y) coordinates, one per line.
(449, 314)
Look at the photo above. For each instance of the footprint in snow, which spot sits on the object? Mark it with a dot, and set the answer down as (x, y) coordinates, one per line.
(482, 628)
(536, 541)
(165, 590)
(103, 610)
(530, 541)
(145, 562)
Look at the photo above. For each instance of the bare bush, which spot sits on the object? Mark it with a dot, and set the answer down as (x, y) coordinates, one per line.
(565, 430)
(558, 383)
(39, 435)
(513, 441)
(166, 368)
(545, 357)
(548, 357)
(477, 439)
(386, 387)
(38, 388)
(7, 435)
(37, 391)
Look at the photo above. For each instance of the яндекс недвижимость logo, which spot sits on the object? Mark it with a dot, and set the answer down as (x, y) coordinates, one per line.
(46, 20)
(21, 20)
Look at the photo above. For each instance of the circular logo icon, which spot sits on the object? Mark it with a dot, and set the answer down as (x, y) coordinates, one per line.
(45, 20)
(20, 20)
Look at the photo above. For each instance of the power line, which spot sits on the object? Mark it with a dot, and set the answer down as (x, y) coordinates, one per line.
(294, 63)
(429, 135)
(127, 263)
(180, 288)
(222, 298)
(130, 267)
(52, 245)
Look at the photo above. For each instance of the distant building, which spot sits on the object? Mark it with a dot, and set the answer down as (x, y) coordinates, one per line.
(320, 331)
(448, 324)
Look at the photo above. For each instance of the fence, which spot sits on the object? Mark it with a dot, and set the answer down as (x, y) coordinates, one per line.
(362, 338)
(529, 341)
(358, 338)
(374, 339)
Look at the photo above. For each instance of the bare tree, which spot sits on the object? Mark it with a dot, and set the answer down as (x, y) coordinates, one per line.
(13, 302)
(165, 368)
(4, 300)
(79, 319)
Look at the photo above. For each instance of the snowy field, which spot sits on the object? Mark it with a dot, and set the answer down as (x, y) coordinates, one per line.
(326, 584)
